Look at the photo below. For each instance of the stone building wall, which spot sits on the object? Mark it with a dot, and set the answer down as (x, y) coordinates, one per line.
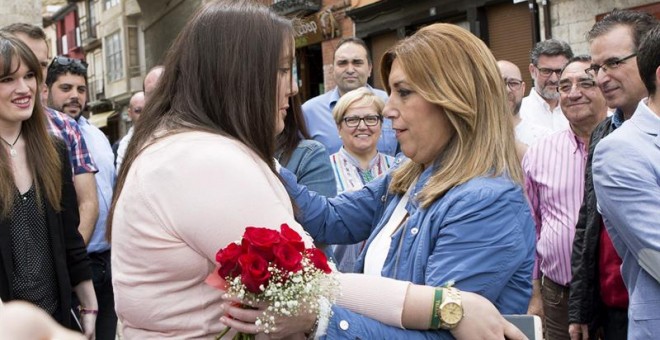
(12, 11)
(328, 47)
(572, 19)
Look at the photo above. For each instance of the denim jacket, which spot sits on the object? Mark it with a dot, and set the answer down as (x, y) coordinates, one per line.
(479, 235)
(311, 164)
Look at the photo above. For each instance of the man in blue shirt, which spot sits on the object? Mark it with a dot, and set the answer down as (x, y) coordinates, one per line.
(626, 171)
(351, 69)
(67, 82)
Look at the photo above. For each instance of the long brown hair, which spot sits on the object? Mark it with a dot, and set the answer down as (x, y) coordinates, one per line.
(450, 67)
(220, 77)
(42, 156)
(295, 130)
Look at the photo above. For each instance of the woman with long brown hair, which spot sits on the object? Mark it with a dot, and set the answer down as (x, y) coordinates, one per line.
(42, 253)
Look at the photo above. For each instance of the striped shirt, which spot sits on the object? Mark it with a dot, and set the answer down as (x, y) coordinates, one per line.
(554, 179)
(64, 127)
(350, 177)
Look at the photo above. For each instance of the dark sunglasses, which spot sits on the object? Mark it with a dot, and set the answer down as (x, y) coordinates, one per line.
(66, 61)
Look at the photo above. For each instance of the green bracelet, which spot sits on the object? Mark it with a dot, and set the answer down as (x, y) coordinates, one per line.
(435, 315)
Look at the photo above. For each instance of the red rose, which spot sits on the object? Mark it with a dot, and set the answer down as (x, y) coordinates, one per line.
(261, 241)
(318, 259)
(227, 258)
(287, 257)
(254, 272)
(292, 237)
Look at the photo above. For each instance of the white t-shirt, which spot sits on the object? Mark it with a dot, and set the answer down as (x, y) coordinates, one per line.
(528, 133)
(535, 110)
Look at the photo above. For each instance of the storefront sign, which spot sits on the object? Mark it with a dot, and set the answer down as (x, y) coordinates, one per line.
(316, 28)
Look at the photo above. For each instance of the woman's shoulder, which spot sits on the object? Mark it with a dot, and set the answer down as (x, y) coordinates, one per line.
(310, 145)
(196, 142)
(486, 189)
(197, 151)
(310, 151)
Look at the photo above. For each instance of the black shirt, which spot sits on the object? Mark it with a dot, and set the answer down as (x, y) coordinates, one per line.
(34, 278)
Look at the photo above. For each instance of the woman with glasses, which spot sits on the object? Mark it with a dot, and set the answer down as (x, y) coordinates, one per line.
(359, 118)
(42, 254)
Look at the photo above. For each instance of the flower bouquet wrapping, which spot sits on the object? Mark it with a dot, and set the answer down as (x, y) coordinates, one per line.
(275, 267)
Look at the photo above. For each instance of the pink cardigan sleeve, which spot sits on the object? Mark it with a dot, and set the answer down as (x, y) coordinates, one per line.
(384, 303)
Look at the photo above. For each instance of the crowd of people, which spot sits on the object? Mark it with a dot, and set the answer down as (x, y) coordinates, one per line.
(451, 188)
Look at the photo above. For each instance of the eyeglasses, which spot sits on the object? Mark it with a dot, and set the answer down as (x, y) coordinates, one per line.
(513, 84)
(609, 64)
(547, 72)
(371, 120)
(585, 84)
(81, 65)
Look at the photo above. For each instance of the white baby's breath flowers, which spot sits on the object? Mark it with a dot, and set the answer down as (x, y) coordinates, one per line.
(289, 294)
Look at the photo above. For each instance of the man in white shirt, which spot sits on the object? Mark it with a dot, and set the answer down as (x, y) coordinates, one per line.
(541, 106)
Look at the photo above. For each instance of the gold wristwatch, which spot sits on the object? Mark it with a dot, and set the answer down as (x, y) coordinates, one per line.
(450, 310)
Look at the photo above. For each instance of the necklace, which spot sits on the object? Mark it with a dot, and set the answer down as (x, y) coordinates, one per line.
(12, 151)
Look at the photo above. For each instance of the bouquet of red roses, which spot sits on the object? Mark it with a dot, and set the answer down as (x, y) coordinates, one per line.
(276, 268)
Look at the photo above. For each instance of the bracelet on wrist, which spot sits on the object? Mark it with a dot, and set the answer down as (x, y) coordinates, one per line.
(435, 316)
(82, 310)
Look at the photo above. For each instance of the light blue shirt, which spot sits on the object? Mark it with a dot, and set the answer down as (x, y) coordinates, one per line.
(323, 128)
(101, 151)
(626, 173)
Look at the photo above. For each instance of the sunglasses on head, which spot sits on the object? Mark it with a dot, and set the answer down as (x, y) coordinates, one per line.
(66, 61)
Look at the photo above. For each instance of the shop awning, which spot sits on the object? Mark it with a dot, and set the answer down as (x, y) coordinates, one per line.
(100, 119)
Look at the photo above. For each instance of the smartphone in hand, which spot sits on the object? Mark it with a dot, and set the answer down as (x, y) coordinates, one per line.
(530, 325)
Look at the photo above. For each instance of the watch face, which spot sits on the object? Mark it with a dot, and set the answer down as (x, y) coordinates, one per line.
(451, 313)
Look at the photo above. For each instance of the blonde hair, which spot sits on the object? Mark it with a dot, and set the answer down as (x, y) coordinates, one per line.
(450, 67)
(363, 97)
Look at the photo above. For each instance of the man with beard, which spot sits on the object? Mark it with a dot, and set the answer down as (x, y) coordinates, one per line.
(67, 83)
(554, 180)
(541, 106)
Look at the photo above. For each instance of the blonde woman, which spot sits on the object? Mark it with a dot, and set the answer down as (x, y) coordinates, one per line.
(454, 211)
(359, 118)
